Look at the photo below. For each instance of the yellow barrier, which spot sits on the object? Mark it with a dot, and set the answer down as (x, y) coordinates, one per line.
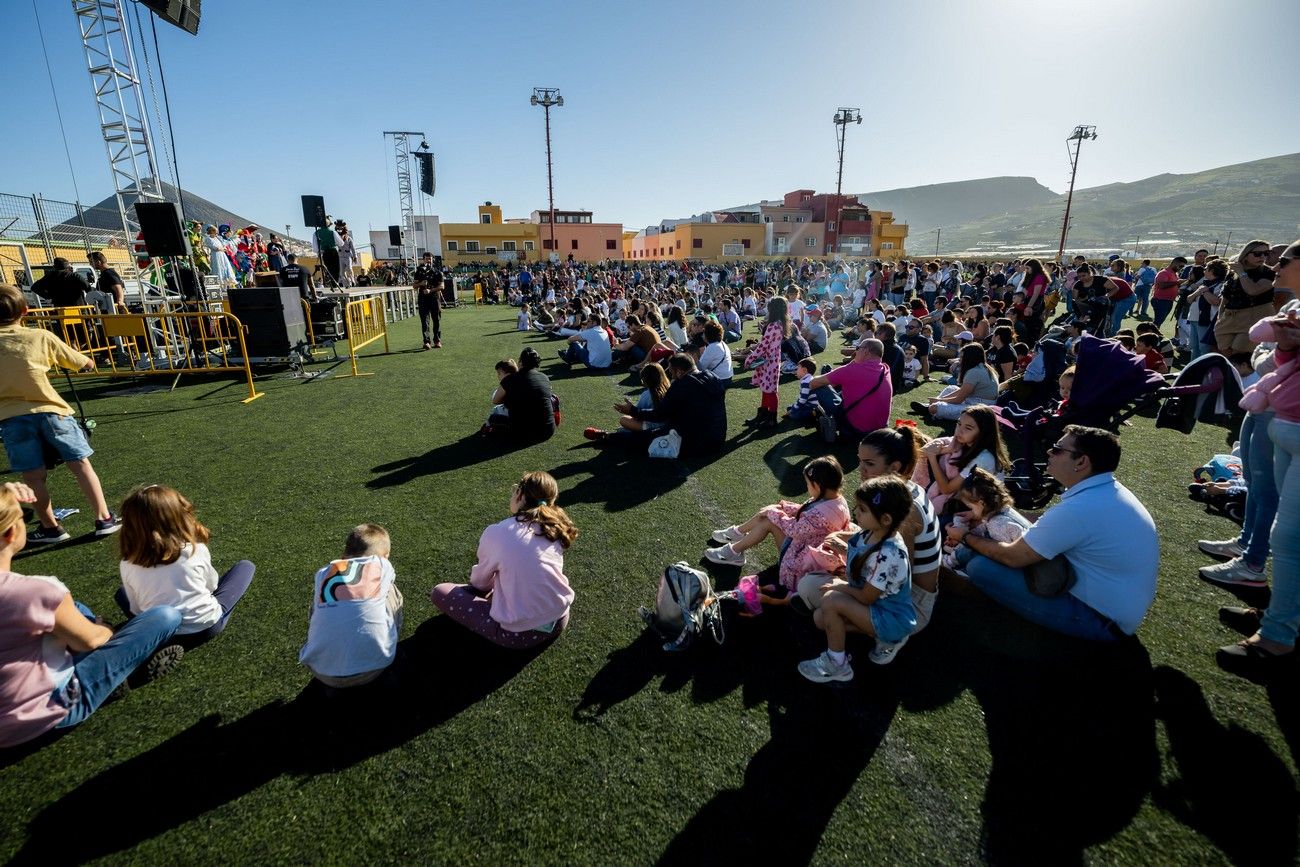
(151, 344)
(366, 323)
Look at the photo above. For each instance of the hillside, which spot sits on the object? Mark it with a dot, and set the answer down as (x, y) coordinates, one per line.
(1166, 213)
(924, 208)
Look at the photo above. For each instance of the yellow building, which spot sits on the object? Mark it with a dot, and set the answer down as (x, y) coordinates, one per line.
(890, 237)
(709, 242)
(491, 239)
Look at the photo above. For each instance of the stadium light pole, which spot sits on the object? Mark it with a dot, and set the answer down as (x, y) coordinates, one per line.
(1080, 133)
(843, 117)
(547, 97)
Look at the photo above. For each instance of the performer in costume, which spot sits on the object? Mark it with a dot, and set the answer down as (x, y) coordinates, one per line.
(222, 266)
(326, 243)
(198, 250)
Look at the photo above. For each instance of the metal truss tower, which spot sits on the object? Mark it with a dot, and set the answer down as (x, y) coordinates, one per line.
(405, 190)
(123, 120)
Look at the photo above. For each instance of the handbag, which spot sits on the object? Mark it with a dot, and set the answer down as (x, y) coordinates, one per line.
(1050, 578)
(667, 446)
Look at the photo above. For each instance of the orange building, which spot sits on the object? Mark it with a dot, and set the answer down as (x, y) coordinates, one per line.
(719, 238)
(577, 236)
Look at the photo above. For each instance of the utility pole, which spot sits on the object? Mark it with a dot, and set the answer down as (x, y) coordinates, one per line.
(938, 233)
(843, 117)
(1080, 133)
(547, 97)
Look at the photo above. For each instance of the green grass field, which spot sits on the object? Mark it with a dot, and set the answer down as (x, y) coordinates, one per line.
(988, 740)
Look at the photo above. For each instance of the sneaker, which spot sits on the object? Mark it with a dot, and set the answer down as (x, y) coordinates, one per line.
(48, 535)
(164, 659)
(726, 555)
(108, 526)
(1234, 573)
(824, 669)
(428, 345)
(885, 651)
(923, 604)
(594, 434)
(731, 534)
(563, 357)
(437, 344)
(919, 408)
(1223, 550)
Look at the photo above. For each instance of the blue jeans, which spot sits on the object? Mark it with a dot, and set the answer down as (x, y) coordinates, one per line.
(1282, 619)
(100, 671)
(576, 353)
(1063, 614)
(731, 336)
(1161, 309)
(1121, 310)
(1142, 292)
(1261, 488)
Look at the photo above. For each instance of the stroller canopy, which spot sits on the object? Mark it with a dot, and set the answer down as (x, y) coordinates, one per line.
(1107, 377)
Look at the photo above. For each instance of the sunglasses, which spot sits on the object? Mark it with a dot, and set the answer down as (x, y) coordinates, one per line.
(1058, 449)
(1260, 253)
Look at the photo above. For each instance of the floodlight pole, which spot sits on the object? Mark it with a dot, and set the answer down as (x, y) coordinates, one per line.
(547, 97)
(843, 117)
(1080, 133)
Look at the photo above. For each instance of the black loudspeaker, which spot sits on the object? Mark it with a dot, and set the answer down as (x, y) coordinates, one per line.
(161, 226)
(313, 211)
(183, 13)
(427, 181)
(327, 319)
(395, 236)
(273, 317)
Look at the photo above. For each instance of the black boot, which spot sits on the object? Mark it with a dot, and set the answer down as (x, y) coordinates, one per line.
(757, 419)
(768, 420)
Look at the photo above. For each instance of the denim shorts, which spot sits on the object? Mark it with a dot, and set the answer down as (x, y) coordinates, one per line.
(24, 436)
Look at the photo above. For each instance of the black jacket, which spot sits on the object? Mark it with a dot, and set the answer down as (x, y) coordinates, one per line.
(62, 288)
(696, 407)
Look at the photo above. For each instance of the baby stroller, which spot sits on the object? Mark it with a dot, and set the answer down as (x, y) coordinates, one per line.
(1038, 386)
(1209, 390)
(1110, 386)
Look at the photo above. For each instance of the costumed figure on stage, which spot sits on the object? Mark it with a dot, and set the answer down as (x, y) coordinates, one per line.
(198, 250)
(326, 243)
(260, 260)
(222, 266)
(347, 254)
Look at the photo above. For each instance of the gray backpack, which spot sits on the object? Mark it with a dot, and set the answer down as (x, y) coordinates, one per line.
(684, 607)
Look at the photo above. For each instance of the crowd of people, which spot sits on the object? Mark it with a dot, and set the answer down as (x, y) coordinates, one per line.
(854, 559)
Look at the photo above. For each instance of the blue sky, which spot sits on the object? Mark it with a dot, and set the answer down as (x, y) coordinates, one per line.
(670, 107)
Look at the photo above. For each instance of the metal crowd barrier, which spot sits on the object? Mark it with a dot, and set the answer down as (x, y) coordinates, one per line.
(151, 344)
(366, 323)
(399, 301)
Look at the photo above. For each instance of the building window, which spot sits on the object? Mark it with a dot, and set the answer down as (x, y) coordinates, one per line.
(609, 245)
(888, 245)
(452, 246)
(697, 243)
(508, 246)
(529, 246)
(785, 218)
(745, 242)
(419, 227)
(830, 227)
(573, 244)
(766, 218)
(396, 253)
(810, 242)
(485, 218)
(546, 244)
(471, 246)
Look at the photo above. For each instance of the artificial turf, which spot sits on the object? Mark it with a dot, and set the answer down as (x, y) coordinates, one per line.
(989, 739)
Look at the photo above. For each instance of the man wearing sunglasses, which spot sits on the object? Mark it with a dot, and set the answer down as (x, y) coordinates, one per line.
(1099, 527)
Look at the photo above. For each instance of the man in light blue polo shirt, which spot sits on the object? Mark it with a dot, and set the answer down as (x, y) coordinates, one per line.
(1107, 536)
(590, 346)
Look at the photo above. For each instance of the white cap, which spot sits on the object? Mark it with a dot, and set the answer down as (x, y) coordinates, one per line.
(965, 335)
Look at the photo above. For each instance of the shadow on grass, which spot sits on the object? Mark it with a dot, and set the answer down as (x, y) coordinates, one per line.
(464, 452)
(312, 734)
(1230, 787)
(622, 475)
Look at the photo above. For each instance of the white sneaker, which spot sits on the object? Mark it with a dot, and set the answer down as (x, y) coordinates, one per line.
(726, 555)
(1234, 573)
(731, 534)
(1223, 550)
(885, 651)
(923, 605)
(824, 669)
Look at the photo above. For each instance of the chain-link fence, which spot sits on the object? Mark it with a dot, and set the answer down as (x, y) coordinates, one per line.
(35, 230)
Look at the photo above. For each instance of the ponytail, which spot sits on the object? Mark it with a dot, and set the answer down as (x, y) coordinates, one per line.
(540, 492)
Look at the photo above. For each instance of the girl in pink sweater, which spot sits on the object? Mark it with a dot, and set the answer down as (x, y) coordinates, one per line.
(799, 531)
(518, 595)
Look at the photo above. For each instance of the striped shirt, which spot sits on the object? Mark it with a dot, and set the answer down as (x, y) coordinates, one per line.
(927, 546)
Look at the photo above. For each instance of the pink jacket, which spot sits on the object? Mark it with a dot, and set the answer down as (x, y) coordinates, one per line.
(525, 573)
(807, 534)
(1278, 391)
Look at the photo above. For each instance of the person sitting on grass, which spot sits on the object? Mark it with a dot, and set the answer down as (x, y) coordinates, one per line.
(518, 596)
(166, 561)
(656, 385)
(976, 442)
(641, 340)
(875, 596)
(590, 346)
(799, 530)
(1100, 529)
(988, 511)
(34, 419)
(977, 383)
(694, 406)
(356, 612)
(715, 357)
(811, 403)
(528, 406)
(58, 662)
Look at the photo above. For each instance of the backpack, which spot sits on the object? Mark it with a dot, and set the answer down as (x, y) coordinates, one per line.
(684, 607)
(949, 285)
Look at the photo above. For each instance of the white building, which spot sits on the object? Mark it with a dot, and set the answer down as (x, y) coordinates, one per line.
(428, 236)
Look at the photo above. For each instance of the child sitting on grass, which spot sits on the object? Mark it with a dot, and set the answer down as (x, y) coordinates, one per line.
(1148, 346)
(356, 612)
(989, 513)
(911, 367)
(166, 561)
(805, 526)
(876, 596)
(811, 403)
